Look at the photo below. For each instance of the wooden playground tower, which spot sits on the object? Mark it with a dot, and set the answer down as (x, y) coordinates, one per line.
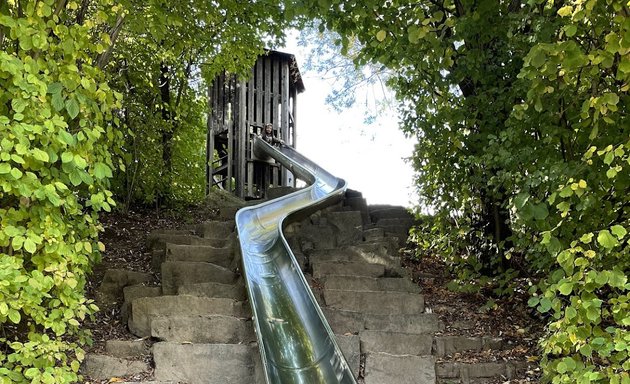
(239, 109)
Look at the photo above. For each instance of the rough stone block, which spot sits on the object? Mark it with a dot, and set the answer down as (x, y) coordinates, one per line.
(216, 229)
(350, 346)
(159, 240)
(373, 234)
(364, 283)
(127, 348)
(343, 322)
(179, 273)
(143, 310)
(374, 253)
(203, 329)
(200, 253)
(132, 292)
(448, 345)
(103, 367)
(115, 280)
(317, 236)
(376, 302)
(420, 323)
(204, 363)
(381, 368)
(348, 226)
(230, 291)
(322, 269)
(396, 343)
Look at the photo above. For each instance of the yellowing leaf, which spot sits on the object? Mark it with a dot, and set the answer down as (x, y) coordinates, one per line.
(567, 10)
(380, 35)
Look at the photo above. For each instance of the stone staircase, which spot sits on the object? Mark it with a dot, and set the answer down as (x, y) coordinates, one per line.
(195, 326)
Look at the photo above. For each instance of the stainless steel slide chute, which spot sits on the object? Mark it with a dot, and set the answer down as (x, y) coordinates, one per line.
(296, 343)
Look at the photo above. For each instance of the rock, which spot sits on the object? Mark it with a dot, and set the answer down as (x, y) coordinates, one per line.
(230, 291)
(351, 347)
(115, 280)
(102, 367)
(324, 268)
(204, 363)
(216, 329)
(396, 343)
(448, 345)
(179, 273)
(216, 229)
(199, 253)
(348, 227)
(381, 368)
(132, 292)
(127, 348)
(375, 302)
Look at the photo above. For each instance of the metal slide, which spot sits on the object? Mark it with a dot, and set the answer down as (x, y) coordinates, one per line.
(296, 343)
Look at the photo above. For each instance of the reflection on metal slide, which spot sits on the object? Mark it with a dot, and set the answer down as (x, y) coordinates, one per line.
(296, 343)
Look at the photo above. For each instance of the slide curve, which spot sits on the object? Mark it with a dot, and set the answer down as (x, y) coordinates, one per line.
(296, 343)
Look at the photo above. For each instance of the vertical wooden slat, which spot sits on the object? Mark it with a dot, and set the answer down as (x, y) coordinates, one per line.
(259, 92)
(250, 122)
(209, 140)
(241, 107)
(267, 117)
(294, 112)
(230, 143)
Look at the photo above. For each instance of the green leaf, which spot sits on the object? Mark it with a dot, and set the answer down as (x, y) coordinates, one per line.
(16, 173)
(565, 288)
(5, 168)
(102, 171)
(619, 231)
(18, 104)
(40, 155)
(79, 161)
(30, 246)
(67, 137)
(57, 102)
(380, 35)
(570, 30)
(606, 239)
(14, 316)
(55, 88)
(67, 157)
(73, 108)
(567, 10)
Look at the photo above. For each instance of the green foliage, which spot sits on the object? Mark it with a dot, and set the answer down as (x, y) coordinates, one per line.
(56, 111)
(162, 63)
(520, 111)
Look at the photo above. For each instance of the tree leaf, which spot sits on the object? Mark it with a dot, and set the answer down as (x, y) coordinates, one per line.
(381, 35)
(73, 108)
(619, 231)
(606, 239)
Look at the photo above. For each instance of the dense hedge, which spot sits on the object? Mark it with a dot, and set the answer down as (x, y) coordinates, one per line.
(55, 162)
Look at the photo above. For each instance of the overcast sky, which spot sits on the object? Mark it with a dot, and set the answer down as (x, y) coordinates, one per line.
(369, 157)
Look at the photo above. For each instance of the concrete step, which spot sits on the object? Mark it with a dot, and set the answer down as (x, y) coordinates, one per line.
(103, 367)
(350, 346)
(159, 240)
(215, 329)
(216, 229)
(454, 372)
(343, 322)
(371, 253)
(364, 283)
(127, 348)
(325, 268)
(145, 309)
(200, 253)
(449, 345)
(348, 227)
(375, 302)
(207, 363)
(382, 368)
(396, 343)
(133, 292)
(234, 291)
(179, 273)
(114, 280)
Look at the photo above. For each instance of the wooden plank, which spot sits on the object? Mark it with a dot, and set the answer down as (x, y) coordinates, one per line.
(294, 113)
(230, 126)
(241, 121)
(284, 101)
(259, 92)
(267, 116)
(249, 129)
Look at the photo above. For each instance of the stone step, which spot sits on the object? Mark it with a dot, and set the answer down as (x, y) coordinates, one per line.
(348, 227)
(104, 367)
(179, 273)
(455, 372)
(145, 309)
(325, 268)
(133, 292)
(449, 345)
(215, 329)
(364, 283)
(159, 240)
(200, 253)
(235, 291)
(127, 348)
(389, 212)
(207, 363)
(382, 368)
(396, 343)
(114, 280)
(375, 302)
(372, 253)
(216, 229)
(343, 322)
(350, 346)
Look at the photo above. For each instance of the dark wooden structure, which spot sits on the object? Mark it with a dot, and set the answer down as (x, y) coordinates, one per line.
(239, 109)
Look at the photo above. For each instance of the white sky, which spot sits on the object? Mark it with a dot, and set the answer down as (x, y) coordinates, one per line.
(368, 157)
